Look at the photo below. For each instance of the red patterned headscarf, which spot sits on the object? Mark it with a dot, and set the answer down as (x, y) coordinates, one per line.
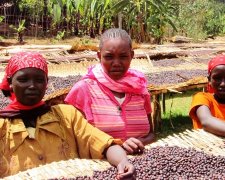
(17, 62)
(20, 61)
(218, 60)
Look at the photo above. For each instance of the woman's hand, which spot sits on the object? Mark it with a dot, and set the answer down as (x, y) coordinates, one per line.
(116, 156)
(126, 170)
(133, 146)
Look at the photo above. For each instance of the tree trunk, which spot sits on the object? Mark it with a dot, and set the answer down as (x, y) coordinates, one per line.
(77, 24)
(92, 31)
(120, 20)
(45, 24)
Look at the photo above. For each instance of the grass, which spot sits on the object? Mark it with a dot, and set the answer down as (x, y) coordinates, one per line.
(176, 118)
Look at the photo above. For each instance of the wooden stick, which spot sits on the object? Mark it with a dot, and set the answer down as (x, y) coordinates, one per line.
(173, 90)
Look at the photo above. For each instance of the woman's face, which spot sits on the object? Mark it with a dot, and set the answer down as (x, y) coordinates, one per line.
(115, 57)
(217, 81)
(29, 85)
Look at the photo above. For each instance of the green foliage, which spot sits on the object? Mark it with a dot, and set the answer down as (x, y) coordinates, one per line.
(31, 6)
(21, 27)
(1, 19)
(215, 19)
(201, 18)
(20, 30)
(56, 13)
(145, 20)
(176, 117)
(60, 35)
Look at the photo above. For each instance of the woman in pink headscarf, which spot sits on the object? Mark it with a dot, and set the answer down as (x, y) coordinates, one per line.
(208, 108)
(113, 97)
(34, 134)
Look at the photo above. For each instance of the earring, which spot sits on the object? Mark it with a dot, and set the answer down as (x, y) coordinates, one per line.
(10, 88)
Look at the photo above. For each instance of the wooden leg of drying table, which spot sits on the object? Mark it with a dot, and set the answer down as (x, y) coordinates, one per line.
(156, 113)
(164, 103)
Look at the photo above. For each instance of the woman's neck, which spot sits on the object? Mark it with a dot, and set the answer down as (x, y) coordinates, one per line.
(118, 94)
(219, 100)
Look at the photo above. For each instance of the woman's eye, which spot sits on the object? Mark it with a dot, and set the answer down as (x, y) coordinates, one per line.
(108, 57)
(217, 79)
(22, 79)
(40, 80)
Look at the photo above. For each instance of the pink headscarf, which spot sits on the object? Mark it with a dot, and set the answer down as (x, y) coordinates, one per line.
(218, 60)
(17, 62)
(132, 82)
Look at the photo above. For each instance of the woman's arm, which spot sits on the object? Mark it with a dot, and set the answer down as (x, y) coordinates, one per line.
(136, 145)
(118, 157)
(151, 136)
(209, 122)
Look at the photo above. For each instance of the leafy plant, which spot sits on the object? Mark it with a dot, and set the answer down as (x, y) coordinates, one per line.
(60, 35)
(201, 18)
(1, 19)
(146, 19)
(20, 30)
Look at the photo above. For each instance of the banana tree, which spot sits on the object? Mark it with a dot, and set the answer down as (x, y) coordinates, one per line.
(62, 13)
(93, 13)
(134, 11)
(160, 17)
(98, 14)
(140, 14)
(20, 30)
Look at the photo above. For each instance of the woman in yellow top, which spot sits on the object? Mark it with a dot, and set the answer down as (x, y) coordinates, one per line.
(208, 108)
(33, 134)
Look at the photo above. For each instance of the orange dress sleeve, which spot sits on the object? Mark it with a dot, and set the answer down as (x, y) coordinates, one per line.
(217, 110)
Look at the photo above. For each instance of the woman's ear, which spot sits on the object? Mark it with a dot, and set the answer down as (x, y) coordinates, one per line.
(209, 78)
(9, 79)
(99, 55)
(132, 54)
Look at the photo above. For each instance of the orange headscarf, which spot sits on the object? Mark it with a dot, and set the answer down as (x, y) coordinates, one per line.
(218, 60)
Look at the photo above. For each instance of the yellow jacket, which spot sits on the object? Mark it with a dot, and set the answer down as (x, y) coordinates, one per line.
(60, 134)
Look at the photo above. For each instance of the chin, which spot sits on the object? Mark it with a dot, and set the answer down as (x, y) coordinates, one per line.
(221, 95)
(116, 77)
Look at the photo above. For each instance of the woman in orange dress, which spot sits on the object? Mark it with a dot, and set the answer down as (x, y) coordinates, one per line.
(208, 108)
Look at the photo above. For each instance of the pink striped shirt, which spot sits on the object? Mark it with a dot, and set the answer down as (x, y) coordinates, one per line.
(130, 119)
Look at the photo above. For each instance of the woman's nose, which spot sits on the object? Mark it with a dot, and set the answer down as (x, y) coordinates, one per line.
(222, 82)
(31, 84)
(116, 61)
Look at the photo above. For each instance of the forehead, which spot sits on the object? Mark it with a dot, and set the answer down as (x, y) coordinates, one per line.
(116, 42)
(220, 69)
(30, 71)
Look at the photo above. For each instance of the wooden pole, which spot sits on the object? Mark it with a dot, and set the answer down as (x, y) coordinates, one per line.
(156, 113)
(164, 102)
